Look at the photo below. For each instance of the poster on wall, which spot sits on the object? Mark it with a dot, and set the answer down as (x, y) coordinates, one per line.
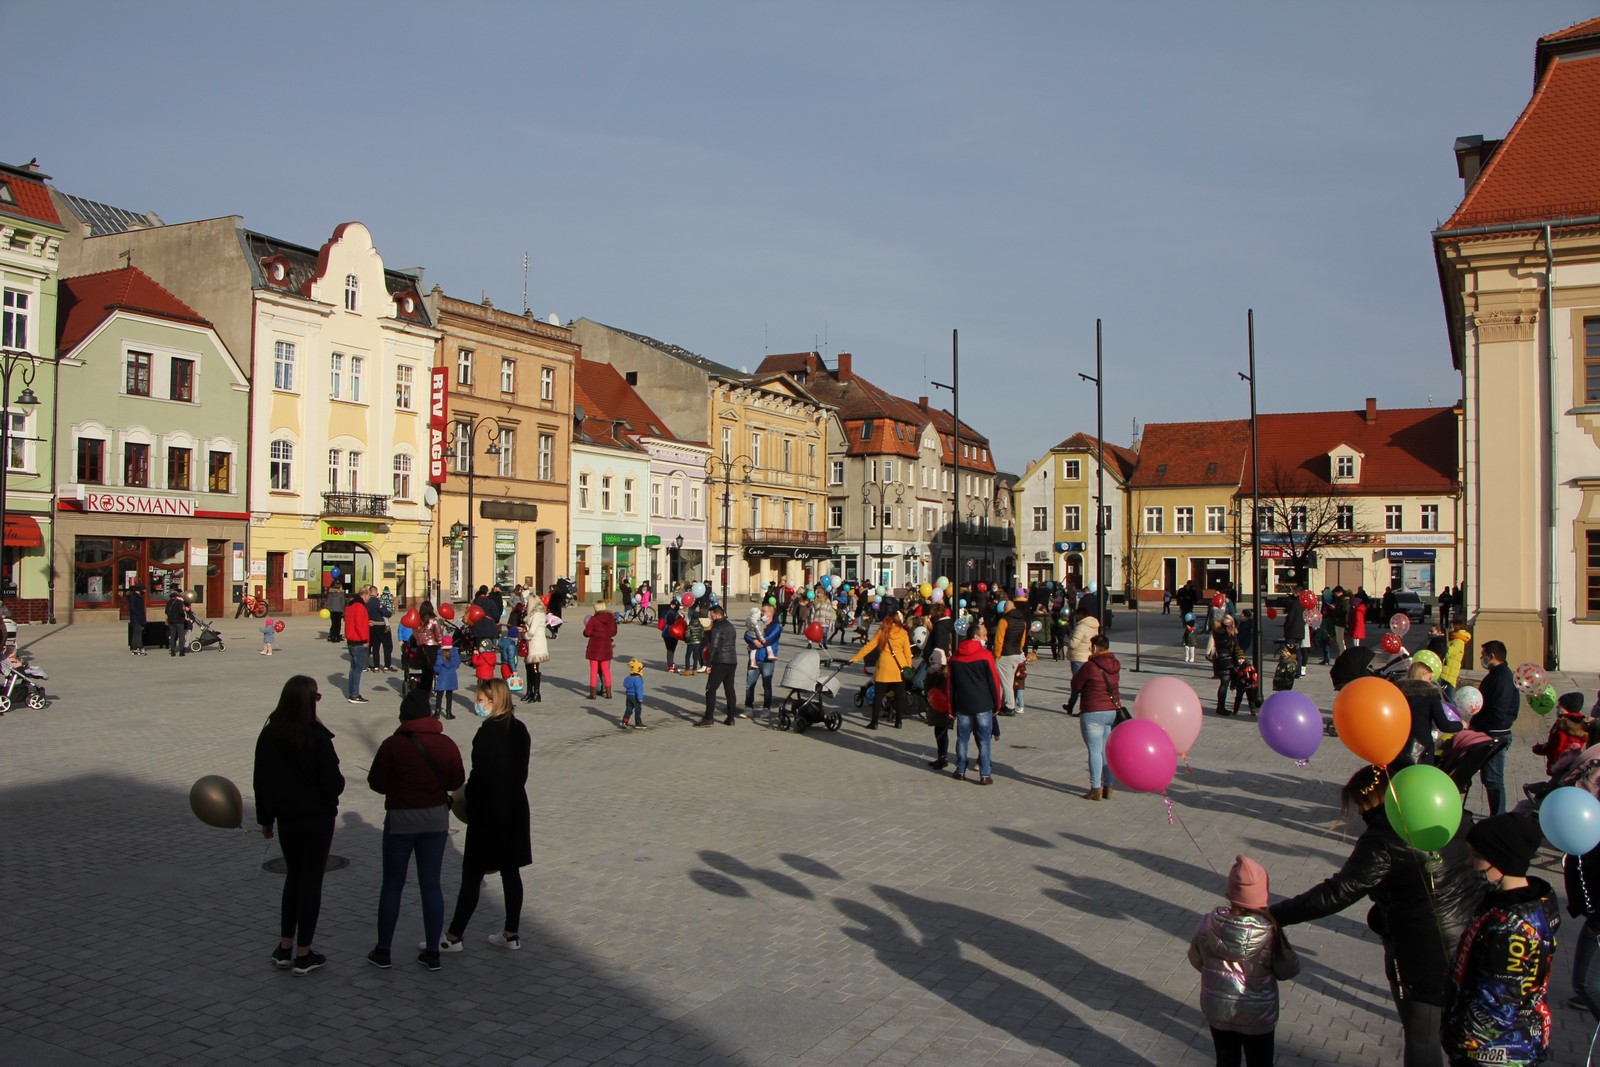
(197, 556)
(300, 560)
(238, 561)
(258, 568)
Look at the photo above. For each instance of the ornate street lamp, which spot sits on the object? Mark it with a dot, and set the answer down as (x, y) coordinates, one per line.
(723, 470)
(23, 363)
(867, 493)
(466, 449)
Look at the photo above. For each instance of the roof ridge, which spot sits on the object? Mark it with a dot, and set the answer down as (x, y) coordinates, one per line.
(1497, 159)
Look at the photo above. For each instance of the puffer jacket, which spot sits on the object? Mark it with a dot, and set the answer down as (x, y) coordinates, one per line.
(601, 630)
(1011, 632)
(1239, 971)
(893, 646)
(722, 644)
(974, 685)
(1495, 1011)
(1427, 712)
(1096, 686)
(1401, 881)
(1083, 631)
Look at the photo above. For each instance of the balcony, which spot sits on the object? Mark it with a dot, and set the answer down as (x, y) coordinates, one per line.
(768, 535)
(355, 505)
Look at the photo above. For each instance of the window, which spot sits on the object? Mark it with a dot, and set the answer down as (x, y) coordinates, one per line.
(404, 381)
(547, 383)
(888, 470)
(1430, 516)
(887, 518)
(1041, 518)
(463, 446)
(353, 467)
(508, 375)
(335, 464)
(181, 386)
(280, 467)
(1183, 520)
(1299, 518)
(1392, 517)
(627, 496)
(1216, 519)
(811, 461)
(694, 501)
(583, 491)
(788, 455)
(755, 512)
(14, 320)
(283, 366)
(507, 459)
(811, 516)
(1071, 518)
(402, 477)
(1591, 570)
(1071, 470)
(872, 470)
(1591, 361)
(836, 472)
(178, 460)
(675, 499)
(866, 430)
(655, 497)
(91, 461)
(219, 472)
(1105, 518)
(1345, 518)
(727, 444)
(20, 445)
(352, 290)
(547, 457)
(464, 366)
(1152, 520)
(136, 378)
(788, 514)
(135, 464)
(755, 450)
(605, 492)
(336, 376)
(1344, 467)
(357, 366)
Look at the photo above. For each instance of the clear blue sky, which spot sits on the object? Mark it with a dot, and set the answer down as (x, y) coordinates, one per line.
(748, 177)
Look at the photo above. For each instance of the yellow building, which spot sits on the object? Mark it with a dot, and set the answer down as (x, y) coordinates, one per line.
(1055, 502)
(1181, 524)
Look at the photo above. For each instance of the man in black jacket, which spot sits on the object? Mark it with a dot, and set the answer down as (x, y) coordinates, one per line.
(1294, 627)
(1501, 702)
(722, 657)
(177, 624)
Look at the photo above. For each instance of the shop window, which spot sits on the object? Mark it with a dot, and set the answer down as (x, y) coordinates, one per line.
(219, 472)
(91, 461)
(178, 460)
(136, 379)
(91, 579)
(181, 385)
(135, 464)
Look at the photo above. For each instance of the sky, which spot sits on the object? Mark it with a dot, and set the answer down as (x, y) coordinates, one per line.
(745, 178)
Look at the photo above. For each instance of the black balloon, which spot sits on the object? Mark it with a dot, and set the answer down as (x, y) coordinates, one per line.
(216, 802)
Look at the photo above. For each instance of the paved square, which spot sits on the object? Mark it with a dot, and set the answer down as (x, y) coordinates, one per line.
(726, 896)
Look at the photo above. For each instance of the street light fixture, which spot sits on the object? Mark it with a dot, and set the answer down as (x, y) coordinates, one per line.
(867, 494)
(988, 534)
(676, 566)
(954, 389)
(467, 449)
(12, 360)
(1100, 479)
(1255, 502)
(722, 470)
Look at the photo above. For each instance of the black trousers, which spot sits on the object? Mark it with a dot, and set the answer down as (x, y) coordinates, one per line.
(380, 638)
(135, 637)
(941, 742)
(1255, 1049)
(721, 675)
(335, 618)
(467, 898)
(880, 697)
(305, 844)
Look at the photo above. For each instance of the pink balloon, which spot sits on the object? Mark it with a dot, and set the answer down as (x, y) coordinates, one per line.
(1141, 756)
(1173, 705)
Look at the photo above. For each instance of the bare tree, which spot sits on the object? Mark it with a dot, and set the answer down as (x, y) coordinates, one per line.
(1138, 563)
(1303, 515)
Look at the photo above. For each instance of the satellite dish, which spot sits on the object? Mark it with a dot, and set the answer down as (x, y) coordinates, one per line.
(430, 496)
(577, 412)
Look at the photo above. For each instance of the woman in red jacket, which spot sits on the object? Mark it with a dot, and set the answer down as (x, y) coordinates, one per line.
(1096, 684)
(975, 695)
(601, 630)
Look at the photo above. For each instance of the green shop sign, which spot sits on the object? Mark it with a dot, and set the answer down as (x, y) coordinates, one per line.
(621, 540)
(652, 539)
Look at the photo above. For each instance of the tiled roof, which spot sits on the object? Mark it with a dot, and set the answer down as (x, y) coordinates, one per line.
(303, 267)
(23, 195)
(615, 413)
(103, 219)
(1587, 28)
(90, 299)
(1123, 460)
(1404, 450)
(1191, 454)
(1548, 166)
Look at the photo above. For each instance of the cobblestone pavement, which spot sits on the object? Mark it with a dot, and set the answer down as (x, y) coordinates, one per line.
(726, 896)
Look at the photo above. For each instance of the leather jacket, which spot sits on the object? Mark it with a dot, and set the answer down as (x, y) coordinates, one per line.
(1239, 971)
(722, 644)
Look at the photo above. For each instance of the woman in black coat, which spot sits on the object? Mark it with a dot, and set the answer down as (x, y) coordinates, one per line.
(498, 832)
(1427, 713)
(1421, 905)
(297, 785)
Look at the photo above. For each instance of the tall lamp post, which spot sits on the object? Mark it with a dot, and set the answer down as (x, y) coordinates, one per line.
(466, 450)
(954, 389)
(24, 363)
(988, 534)
(1255, 502)
(1100, 479)
(881, 491)
(723, 470)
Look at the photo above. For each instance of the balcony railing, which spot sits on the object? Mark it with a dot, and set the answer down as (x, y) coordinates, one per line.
(365, 505)
(768, 535)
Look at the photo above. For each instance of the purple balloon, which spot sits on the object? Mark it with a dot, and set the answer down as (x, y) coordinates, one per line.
(1291, 724)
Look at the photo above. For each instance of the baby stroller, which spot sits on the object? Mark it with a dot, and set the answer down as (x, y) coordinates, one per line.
(19, 683)
(1465, 756)
(803, 708)
(206, 638)
(1358, 662)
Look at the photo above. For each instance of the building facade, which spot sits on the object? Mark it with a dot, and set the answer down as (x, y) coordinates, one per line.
(1181, 521)
(611, 538)
(1056, 501)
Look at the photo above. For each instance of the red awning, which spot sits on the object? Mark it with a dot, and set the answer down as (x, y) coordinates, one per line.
(22, 531)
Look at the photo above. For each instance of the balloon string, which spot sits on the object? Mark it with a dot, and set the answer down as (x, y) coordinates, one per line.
(1172, 816)
(1302, 763)
(1186, 768)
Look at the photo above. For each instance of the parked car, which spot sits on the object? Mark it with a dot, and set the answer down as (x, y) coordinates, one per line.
(1412, 605)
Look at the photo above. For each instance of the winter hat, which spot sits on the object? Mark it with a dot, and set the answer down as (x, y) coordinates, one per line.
(1571, 704)
(448, 642)
(635, 667)
(1247, 883)
(414, 705)
(1508, 841)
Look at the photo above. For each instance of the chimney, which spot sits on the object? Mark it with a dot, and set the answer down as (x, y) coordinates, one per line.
(1472, 155)
(844, 372)
(1372, 411)
(922, 402)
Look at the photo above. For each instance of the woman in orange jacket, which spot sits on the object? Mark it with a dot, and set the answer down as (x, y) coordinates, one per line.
(893, 644)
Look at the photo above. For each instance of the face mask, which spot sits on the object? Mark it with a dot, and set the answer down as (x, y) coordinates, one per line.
(480, 711)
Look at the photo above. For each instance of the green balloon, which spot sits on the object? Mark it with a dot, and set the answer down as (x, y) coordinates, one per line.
(1424, 807)
(1544, 701)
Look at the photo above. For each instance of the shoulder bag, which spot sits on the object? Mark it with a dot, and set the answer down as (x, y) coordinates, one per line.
(458, 800)
(1123, 714)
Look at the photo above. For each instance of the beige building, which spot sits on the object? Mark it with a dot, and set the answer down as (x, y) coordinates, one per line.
(1056, 498)
(1181, 521)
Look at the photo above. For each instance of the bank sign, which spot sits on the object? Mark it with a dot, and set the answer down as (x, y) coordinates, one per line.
(138, 504)
(438, 419)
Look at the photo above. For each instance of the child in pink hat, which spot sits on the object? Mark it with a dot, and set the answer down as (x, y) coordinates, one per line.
(1242, 955)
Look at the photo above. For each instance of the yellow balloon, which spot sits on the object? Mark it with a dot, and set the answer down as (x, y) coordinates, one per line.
(216, 802)
(325, 613)
(927, 589)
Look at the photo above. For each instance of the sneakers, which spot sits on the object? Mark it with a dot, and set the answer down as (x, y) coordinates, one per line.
(640, 726)
(379, 957)
(513, 942)
(672, 669)
(445, 945)
(357, 699)
(308, 963)
(430, 960)
(281, 958)
(744, 715)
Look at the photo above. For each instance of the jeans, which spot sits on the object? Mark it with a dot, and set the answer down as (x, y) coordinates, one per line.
(633, 709)
(305, 844)
(764, 672)
(467, 898)
(691, 658)
(358, 663)
(721, 675)
(1419, 1030)
(397, 850)
(382, 640)
(1586, 967)
(1007, 666)
(508, 652)
(1493, 775)
(1095, 726)
(1256, 1049)
(984, 721)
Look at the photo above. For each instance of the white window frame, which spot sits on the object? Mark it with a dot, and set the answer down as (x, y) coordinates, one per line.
(358, 365)
(1071, 518)
(20, 440)
(508, 374)
(1216, 519)
(462, 442)
(836, 472)
(283, 361)
(336, 376)
(1430, 518)
(1154, 519)
(280, 466)
(657, 492)
(352, 293)
(1345, 518)
(1394, 518)
(1071, 470)
(16, 315)
(547, 457)
(583, 491)
(464, 366)
(1299, 518)
(404, 467)
(1183, 520)
(694, 502)
(1041, 518)
(627, 496)
(605, 493)
(405, 387)
(506, 461)
(547, 383)
(755, 448)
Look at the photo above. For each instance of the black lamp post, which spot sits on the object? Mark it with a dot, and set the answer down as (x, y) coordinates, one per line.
(1100, 480)
(675, 565)
(954, 389)
(1255, 503)
(722, 470)
(453, 450)
(881, 491)
(12, 360)
(980, 506)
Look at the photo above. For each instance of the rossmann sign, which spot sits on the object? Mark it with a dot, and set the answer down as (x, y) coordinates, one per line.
(438, 418)
(138, 504)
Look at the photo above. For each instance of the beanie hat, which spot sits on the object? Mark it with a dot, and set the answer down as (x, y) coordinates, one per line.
(448, 642)
(635, 667)
(414, 705)
(1508, 841)
(1571, 704)
(1247, 883)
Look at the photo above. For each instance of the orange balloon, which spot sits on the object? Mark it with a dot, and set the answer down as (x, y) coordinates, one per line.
(1373, 719)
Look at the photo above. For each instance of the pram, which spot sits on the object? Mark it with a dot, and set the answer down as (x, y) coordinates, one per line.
(1466, 753)
(803, 708)
(206, 637)
(1358, 662)
(19, 683)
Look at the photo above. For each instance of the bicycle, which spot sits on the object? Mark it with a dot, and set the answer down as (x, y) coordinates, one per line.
(255, 606)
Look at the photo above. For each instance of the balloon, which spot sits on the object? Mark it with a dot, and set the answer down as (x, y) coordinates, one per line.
(1424, 807)
(1391, 643)
(325, 613)
(1141, 756)
(447, 611)
(411, 619)
(773, 601)
(918, 636)
(926, 589)
(1570, 818)
(1468, 700)
(277, 626)
(474, 613)
(687, 600)
(1373, 719)
(982, 588)
(335, 571)
(1290, 724)
(942, 582)
(1035, 626)
(962, 604)
(1430, 661)
(216, 801)
(1313, 619)
(810, 595)
(1219, 601)
(1171, 704)
(1400, 623)
(1530, 676)
(1272, 613)
(1022, 590)
(1188, 616)
(814, 633)
(679, 630)
(937, 596)
(1544, 701)
(1308, 599)
(699, 589)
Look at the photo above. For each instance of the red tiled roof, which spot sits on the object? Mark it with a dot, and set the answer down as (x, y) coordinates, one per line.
(1123, 460)
(1587, 28)
(31, 196)
(1191, 454)
(1548, 166)
(88, 300)
(606, 397)
(1406, 450)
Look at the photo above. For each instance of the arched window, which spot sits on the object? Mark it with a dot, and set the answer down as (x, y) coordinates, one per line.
(352, 290)
(402, 477)
(281, 466)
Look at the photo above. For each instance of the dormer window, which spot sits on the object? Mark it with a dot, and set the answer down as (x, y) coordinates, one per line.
(277, 269)
(5, 194)
(1344, 465)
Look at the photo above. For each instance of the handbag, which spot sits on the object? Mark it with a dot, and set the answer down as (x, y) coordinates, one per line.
(1123, 714)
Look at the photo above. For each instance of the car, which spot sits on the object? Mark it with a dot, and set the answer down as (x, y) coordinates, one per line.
(1412, 605)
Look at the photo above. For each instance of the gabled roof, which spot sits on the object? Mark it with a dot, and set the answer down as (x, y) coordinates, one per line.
(1189, 454)
(88, 300)
(678, 352)
(23, 195)
(1404, 451)
(304, 265)
(615, 415)
(1121, 460)
(1587, 28)
(103, 219)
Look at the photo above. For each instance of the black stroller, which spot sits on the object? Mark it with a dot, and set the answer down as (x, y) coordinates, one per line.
(206, 637)
(19, 685)
(804, 707)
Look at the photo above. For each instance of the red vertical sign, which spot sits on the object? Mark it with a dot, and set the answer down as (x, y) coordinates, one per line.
(438, 418)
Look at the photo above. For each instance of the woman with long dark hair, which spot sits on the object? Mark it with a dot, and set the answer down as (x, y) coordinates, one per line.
(426, 639)
(297, 786)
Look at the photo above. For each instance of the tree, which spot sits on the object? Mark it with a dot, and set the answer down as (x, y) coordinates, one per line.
(1303, 515)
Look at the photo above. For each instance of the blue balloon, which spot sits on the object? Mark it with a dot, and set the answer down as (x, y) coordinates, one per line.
(1570, 818)
(698, 590)
(962, 604)
(827, 583)
(335, 572)
(1188, 616)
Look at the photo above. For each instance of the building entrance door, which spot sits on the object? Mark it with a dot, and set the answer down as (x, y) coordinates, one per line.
(216, 560)
(275, 581)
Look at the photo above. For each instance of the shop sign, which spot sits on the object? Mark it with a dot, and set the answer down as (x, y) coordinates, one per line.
(621, 540)
(652, 539)
(1413, 553)
(1072, 546)
(138, 504)
(258, 568)
(783, 552)
(1436, 538)
(334, 531)
(438, 422)
(507, 538)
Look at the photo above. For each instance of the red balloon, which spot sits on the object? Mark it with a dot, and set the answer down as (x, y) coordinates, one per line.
(814, 633)
(1272, 613)
(687, 600)
(474, 613)
(982, 588)
(1308, 599)
(277, 626)
(1392, 643)
(447, 611)
(1219, 601)
(679, 630)
(411, 620)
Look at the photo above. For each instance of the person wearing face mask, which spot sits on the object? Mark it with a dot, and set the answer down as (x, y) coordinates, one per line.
(498, 835)
(1496, 718)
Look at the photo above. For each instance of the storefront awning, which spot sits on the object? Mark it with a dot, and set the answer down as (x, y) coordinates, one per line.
(22, 531)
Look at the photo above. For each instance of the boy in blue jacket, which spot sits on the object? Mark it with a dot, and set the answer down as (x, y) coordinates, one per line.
(633, 689)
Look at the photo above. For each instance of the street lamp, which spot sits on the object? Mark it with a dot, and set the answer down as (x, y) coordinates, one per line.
(988, 536)
(722, 470)
(466, 450)
(1100, 479)
(675, 566)
(867, 494)
(1255, 502)
(954, 389)
(12, 360)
